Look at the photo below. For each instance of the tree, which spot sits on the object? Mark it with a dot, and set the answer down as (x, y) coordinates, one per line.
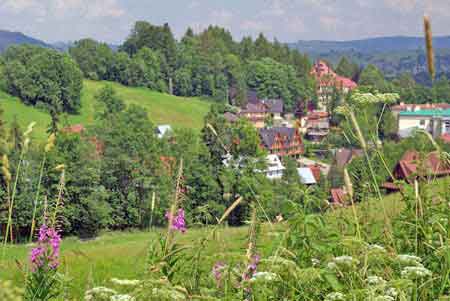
(372, 76)
(15, 137)
(94, 59)
(441, 90)
(347, 68)
(45, 76)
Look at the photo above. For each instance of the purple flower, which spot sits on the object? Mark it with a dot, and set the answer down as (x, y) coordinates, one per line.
(217, 271)
(178, 221)
(251, 268)
(46, 254)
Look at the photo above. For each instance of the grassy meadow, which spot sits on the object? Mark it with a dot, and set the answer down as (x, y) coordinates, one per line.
(123, 254)
(180, 112)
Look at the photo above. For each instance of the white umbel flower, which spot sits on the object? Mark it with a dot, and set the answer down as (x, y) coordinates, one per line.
(416, 272)
(336, 296)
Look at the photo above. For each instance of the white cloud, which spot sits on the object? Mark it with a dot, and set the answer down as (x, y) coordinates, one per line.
(62, 8)
(254, 26)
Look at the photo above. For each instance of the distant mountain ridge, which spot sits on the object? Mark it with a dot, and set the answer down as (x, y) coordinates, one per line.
(8, 38)
(370, 45)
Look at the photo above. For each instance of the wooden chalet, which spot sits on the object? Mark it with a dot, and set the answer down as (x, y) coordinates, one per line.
(413, 165)
(282, 141)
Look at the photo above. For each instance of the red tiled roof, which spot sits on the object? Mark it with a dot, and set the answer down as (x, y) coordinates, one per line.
(446, 138)
(338, 196)
(408, 166)
(325, 76)
(317, 115)
(427, 106)
(76, 129)
(315, 169)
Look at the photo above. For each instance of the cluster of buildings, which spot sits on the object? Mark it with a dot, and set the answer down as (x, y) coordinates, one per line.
(432, 118)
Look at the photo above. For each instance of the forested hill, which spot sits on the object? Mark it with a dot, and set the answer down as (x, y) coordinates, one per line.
(392, 55)
(8, 38)
(369, 46)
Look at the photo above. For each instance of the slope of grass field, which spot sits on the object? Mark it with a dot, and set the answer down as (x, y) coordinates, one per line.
(123, 254)
(162, 108)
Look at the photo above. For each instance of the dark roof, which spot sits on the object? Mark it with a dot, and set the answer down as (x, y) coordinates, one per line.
(252, 95)
(273, 105)
(264, 106)
(230, 117)
(346, 155)
(268, 135)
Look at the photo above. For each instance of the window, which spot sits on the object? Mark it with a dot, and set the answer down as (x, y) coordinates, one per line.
(422, 122)
(447, 127)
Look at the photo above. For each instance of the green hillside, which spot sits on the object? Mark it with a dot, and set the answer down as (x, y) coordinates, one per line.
(162, 108)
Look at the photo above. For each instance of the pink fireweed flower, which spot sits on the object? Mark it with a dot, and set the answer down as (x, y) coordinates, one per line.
(217, 271)
(46, 254)
(251, 268)
(178, 221)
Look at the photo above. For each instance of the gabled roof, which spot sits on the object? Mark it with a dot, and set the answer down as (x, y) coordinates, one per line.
(230, 117)
(273, 106)
(274, 163)
(268, 135)
(410, 164)
(306, 176)
(338, 196)
(163, 129)
(316, 172)
(75, 129)
(446, 138)
(413, 107)
(345, 155)
(327, 77)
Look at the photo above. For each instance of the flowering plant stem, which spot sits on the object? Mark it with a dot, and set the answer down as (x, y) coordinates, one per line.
(36, 199)
(13, 196)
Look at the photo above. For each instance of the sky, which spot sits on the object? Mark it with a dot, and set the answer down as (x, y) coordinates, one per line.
(287, 20)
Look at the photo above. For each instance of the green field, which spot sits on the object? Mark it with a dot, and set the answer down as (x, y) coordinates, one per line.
(179, 112)
(123, 254)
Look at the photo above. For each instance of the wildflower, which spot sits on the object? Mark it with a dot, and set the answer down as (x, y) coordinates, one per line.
(122, 298)
(416, 272)
(315, 262)
(384, 298)
(345, 260)
(251, 268)
(264, 276)
(178, 221)
(376, 247)
(375, 281)
(392, 292)
(409, 259)
(217, 270)
(47, 251)
(125, 282)
(335, 296)
(99, 293)
(50, 143)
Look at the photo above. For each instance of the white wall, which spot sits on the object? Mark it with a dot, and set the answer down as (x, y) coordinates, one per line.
(407, 125)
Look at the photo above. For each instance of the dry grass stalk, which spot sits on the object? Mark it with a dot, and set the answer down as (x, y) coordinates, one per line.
(429, 46)
(229, 210)
(251, 248)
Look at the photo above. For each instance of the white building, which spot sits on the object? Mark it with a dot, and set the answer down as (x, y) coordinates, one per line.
(434, 121)
(163, 130)
(306, 176)
(275, 168)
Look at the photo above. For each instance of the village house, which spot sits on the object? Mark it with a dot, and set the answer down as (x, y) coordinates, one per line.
(163, 130)
(306, 176)
(282, 141)
(327, 81)
(435, 121)
(416, 107)
(413, 165)
(316, 125)
(260, 110)
(275, 168)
